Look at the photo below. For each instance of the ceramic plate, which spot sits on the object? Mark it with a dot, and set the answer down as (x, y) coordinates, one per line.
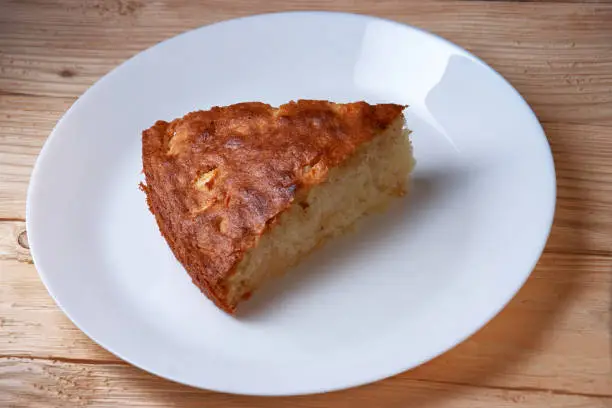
(411, 284)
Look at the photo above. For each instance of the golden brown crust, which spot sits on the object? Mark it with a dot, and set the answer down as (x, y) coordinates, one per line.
(216, 179)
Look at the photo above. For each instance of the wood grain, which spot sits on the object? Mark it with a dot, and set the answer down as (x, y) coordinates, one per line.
(559, 56)
(25, 123)
(59, 384)
(31, 324)
(583, 161)
(14, 241)
(550, 347)
(562, 345)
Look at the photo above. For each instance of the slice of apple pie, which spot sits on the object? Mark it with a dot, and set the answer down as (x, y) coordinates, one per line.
(243, 192)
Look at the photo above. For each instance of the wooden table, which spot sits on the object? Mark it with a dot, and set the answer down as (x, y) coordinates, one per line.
(551, 347)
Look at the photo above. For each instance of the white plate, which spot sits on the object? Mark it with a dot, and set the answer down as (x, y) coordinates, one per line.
(410, 285)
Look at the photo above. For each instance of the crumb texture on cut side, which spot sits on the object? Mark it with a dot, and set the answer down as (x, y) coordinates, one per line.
(366, 182)
(219, 182)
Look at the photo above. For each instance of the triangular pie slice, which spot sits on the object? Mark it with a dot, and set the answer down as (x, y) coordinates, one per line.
(243, 192)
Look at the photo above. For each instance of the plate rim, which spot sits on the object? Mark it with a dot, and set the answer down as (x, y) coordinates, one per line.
(365, 379)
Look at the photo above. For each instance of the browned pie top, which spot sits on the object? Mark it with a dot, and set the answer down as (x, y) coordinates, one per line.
(215, 179)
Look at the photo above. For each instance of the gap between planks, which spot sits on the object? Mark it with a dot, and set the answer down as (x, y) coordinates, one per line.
(67, 360)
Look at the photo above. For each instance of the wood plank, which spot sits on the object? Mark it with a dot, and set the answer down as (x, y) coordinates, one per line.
(33, 384)
(583, 161)
(582, 156)
(559, 57)
(554, 335)
(25, 123)
(14, 242)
